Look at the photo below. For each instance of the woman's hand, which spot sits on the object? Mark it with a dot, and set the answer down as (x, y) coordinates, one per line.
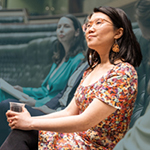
(45, 109)
(19, 88)
(28, 101)
(19, 120)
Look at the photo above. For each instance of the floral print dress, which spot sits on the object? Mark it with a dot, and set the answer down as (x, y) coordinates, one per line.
(117, 88)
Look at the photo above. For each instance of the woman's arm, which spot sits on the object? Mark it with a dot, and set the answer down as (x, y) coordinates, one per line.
(71, 109)
(94, 113)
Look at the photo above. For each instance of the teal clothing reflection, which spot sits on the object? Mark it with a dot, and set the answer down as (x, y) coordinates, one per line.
(51, 86)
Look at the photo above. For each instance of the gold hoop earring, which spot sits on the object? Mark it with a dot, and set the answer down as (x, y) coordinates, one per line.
(115, 47)
(90, 59)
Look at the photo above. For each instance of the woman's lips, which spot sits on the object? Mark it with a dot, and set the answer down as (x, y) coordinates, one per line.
(61, 36)
(90, 36)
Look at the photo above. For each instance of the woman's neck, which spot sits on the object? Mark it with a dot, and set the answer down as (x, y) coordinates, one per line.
(103, 52)
(62, 61)
(104, 59)
(66, 47)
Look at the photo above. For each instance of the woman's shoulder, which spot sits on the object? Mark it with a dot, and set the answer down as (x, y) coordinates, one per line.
(125, 68)
(79, 57)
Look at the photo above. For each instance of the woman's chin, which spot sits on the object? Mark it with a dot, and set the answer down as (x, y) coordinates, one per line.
(91, 46)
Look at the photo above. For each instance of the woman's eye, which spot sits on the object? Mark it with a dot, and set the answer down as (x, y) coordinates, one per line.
(98, 22)
(88, 25)
(66, 25)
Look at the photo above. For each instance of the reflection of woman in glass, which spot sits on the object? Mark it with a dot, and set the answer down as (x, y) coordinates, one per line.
(99, 114)
(67, 55)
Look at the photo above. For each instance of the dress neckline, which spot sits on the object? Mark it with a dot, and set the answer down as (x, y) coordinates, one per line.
(107, 73)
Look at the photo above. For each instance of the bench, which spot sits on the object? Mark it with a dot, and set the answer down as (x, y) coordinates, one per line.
(24, 33)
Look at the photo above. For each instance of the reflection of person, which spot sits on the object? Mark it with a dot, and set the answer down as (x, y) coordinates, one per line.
(66, 56)
(137, 138)
(99, 114)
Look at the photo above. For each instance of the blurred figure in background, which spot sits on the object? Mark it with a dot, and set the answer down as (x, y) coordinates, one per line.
(67, 54)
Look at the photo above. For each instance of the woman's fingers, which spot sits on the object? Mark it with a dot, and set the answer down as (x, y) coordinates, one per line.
(18, 120)
(11, 113)
(12, 124)
(24, 109)
(11, 119)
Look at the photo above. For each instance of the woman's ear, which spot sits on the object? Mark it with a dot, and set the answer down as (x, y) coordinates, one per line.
(77, 32)
(119, 33)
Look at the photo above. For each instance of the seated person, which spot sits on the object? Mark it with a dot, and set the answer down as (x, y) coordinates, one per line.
(67, 54)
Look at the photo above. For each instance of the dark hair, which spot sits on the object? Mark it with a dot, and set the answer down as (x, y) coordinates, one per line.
(142, 8)
(129, 47)
(77, 44)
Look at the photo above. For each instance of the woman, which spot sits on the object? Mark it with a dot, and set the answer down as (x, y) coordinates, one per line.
(99, 114)
(67, 54)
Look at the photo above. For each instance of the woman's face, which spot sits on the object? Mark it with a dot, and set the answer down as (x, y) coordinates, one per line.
(65, 30)
(100, 32)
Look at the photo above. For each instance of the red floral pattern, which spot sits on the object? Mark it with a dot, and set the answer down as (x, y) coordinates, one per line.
(117, 88)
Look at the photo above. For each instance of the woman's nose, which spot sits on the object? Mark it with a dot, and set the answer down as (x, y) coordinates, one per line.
(61, 29)
(91, 29)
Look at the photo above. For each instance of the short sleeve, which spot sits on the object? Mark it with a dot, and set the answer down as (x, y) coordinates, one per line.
(118, 88)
